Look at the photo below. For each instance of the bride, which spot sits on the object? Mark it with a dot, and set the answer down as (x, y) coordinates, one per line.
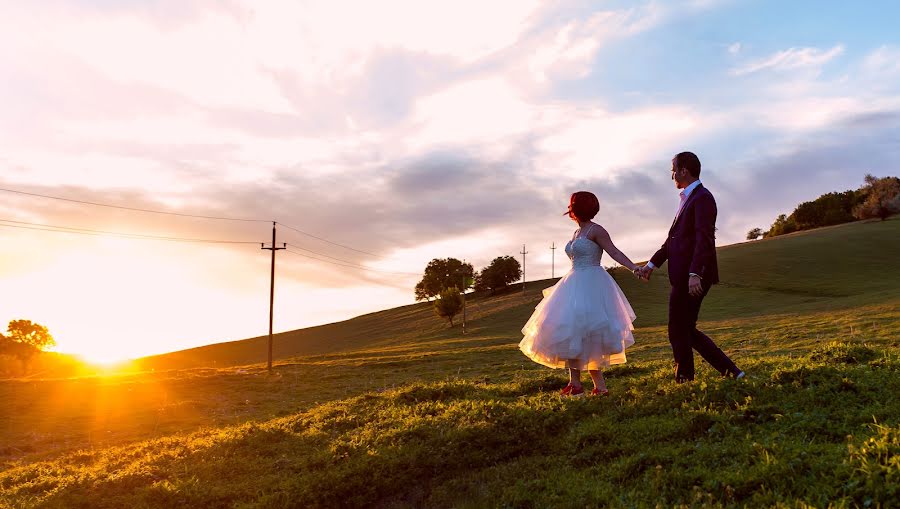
(584, 321)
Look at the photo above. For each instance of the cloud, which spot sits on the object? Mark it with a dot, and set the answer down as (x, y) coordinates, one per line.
(735, 48)
(568, 51)
(832, 158)
(883, 61)
(581, 142)
(792, 58)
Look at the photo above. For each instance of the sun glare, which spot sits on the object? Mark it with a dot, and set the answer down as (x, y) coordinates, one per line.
(103, 359)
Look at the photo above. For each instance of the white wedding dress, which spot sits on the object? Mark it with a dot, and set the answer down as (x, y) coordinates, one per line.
(584, 317)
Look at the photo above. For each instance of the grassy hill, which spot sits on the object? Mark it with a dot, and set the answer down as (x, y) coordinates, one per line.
(830, 268)
(393, 409)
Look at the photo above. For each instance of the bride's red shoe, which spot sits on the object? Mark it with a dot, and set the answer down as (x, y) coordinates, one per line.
(572, 391)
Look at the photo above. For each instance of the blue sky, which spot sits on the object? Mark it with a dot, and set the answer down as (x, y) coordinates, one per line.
(408, 130)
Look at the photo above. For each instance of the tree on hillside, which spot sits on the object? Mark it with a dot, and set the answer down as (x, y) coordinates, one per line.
(882, 198)
(443, 273)
(502, 271)
(24, 339)
(754, 234)
(448, 304)
(826, 210)
(782, 225)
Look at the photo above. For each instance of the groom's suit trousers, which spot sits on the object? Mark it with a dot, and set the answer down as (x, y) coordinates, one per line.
(684, 336)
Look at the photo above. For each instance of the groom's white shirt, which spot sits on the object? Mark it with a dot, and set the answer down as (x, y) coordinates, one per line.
(686, 192)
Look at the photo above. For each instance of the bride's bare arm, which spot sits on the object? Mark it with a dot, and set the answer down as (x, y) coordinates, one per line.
(601, 237)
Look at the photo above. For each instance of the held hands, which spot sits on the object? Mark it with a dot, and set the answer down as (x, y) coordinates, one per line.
(643, 272)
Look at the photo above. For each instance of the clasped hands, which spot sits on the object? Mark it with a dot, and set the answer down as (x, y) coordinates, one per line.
(695, 282)
(642, 272)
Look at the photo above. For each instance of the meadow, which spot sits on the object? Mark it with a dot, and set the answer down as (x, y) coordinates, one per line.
(395, 409)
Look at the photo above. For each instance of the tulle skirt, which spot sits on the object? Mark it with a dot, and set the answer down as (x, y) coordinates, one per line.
(584, 318)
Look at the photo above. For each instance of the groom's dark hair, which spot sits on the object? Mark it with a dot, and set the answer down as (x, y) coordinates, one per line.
(688, 161)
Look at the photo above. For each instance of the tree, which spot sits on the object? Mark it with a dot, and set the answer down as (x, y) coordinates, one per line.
(882, 198)
(448, 304)
(827, 210)
(30, 333)
(441, 274)
(24, 339)
(754, 234)
(502, 271)
(783, 225)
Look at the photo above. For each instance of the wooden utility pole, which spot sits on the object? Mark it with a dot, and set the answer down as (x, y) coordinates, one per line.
(272, 291)
(523, 253)
(553, 261)
(464, 282)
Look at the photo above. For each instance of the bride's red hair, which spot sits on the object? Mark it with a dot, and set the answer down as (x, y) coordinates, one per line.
(583, 206)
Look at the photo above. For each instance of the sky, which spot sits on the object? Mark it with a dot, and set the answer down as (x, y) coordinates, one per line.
(385, 134)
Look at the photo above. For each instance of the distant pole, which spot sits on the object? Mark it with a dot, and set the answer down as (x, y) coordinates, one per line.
(464, 300)
(523, 253)
(272, 291)
(553, 261)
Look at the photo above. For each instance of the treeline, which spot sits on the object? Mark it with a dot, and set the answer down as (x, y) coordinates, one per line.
(877, 198)
(445, 279)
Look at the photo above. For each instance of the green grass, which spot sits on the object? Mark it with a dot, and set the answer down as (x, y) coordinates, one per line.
(393, 409)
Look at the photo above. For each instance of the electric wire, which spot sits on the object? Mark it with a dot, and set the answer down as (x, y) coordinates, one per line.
(151, 211)
(314, 255)
(136, 236)
(352, 266)
(325, 240)
(180, 214)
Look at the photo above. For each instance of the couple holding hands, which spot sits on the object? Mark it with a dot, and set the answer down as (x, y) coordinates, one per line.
(584, 321)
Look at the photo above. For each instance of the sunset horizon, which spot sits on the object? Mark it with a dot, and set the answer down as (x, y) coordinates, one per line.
(380, 145)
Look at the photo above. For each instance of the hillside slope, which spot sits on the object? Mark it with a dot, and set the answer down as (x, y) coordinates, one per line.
(416, 414)
(830, 268)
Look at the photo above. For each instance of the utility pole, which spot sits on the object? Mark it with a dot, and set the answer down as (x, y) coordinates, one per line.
(272, 290)
(523, 253)
(464, 284)
(553, 261)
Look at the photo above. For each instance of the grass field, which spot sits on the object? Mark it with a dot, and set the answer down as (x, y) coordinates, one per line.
(394, 409)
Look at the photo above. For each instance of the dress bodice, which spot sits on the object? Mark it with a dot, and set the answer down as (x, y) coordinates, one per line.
(583, 252)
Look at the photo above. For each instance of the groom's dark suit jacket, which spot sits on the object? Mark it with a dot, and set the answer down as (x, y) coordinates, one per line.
(691, 244)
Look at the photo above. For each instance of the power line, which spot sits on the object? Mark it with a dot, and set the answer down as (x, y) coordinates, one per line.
(151, 211)
(180, 214)
(100, 233)
(326, 240)
(352, 266)
(105, 233)
(327, 256)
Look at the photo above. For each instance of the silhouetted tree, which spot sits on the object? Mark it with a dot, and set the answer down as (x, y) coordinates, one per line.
(443, 273)
(24, 339)
(754, 234)
(502, 271)
(448, 304)
(882, 198)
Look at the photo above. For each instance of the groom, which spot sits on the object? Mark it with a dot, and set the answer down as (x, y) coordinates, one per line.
(690, 249)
